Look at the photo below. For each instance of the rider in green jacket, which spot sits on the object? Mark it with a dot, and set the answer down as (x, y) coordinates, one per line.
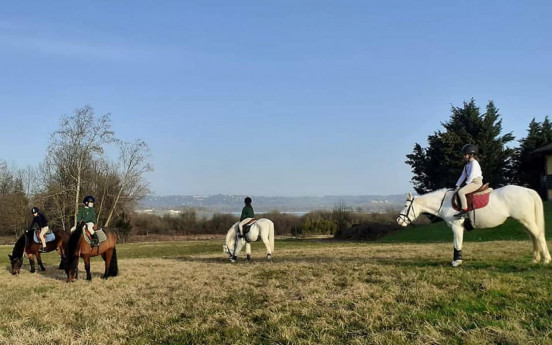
(87, 215)
(247, 215)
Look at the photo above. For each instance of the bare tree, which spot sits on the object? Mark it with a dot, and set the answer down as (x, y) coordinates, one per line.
(132, 167)
(80, 139)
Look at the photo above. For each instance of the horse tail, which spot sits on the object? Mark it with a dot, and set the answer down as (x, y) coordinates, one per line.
(113, 267)
(539, 212)
(271, 236)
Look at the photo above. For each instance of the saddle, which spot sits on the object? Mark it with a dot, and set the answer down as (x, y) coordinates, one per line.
(477, 199)
(247, 227)
(101, 236)
(49, 236)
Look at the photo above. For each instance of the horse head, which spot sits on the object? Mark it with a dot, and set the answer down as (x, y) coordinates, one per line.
(16, 263)
(70, 259)
(408, 213)
(233, 244)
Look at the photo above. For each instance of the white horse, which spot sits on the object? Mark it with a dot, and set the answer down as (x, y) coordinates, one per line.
(517, 202)
(262, 227)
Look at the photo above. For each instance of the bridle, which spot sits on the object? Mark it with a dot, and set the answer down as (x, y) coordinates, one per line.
(405, 217)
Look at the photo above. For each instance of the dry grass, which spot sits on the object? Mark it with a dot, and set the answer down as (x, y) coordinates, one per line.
(314, 292)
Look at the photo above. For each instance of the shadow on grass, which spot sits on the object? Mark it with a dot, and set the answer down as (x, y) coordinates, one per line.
(520, 265)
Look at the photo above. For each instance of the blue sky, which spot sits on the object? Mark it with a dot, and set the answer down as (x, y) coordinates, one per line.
(270, 97)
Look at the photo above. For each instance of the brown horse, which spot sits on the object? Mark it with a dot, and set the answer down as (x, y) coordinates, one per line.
(77, 247)
(26, 244)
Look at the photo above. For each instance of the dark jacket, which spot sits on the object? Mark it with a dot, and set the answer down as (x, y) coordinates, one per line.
(247, 212)
(40, 220)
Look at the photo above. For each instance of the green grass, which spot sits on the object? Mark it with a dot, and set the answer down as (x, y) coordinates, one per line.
(313, 292)
(440, 232)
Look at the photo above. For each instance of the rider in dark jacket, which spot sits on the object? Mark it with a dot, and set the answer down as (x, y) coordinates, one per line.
(42, 222)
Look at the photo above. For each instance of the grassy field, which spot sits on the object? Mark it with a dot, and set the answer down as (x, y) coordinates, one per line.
(313, 292)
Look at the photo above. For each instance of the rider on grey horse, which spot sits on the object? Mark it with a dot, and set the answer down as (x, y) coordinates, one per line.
(473, 176)
(247, 215)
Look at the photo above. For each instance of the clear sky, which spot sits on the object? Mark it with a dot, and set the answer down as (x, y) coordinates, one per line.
(270, 97)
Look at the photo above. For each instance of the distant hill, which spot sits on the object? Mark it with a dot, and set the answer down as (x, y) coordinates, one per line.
(234, 203)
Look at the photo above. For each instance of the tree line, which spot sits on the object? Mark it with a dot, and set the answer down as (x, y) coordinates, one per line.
(76, 165)
(440, 163)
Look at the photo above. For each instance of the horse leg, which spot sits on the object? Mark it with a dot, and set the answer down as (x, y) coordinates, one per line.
(39, 260)
(31, 262)
(545, 251)
(267, 245)
(86, 259)
(532, 230)
(458, 232)
(248, 251)
(107, 258)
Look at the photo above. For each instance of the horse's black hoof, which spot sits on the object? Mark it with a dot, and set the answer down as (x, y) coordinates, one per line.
(248, 257)
(33, 271)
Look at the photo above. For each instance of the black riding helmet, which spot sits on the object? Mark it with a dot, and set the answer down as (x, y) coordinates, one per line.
(35, 210)
(87, 199)
(470, 149)
(247, 200)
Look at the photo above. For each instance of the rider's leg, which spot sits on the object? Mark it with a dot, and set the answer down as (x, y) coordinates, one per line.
(241, 224)
(41, 234)
(90, 227)
(469, 188)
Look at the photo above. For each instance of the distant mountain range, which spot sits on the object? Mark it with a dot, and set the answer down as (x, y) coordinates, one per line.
(234, 203)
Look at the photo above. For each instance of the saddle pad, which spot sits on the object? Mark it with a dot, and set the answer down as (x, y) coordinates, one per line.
(479, 200)
(101, 236)
(49, 237)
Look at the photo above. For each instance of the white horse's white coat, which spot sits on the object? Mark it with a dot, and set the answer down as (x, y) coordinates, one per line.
(517, 202)
(263, 228)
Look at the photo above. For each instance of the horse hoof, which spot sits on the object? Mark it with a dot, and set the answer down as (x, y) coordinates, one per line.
(248, 257)
(269, 256)
(33, 271)
(456, 263)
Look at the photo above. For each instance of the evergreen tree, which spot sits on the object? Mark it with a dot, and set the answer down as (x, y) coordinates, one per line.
(440, 164)
(528, 167)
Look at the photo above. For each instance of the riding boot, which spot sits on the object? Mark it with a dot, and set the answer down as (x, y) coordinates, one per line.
(95, 241)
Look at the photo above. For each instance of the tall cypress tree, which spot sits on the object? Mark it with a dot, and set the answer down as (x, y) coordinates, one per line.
(440, 164)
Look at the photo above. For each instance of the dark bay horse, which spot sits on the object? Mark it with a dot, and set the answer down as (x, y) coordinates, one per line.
(77, 247)
(26, 244)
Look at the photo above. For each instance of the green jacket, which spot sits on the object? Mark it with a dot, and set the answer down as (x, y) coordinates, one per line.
(247, 212)
(87, 215)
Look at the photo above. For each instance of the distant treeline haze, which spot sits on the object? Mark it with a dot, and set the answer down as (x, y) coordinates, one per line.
(342, 222)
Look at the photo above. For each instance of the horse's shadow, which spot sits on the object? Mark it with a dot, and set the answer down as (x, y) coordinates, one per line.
(522, 265)
(52, 272)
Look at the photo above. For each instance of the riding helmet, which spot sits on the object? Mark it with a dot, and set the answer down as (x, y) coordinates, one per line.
(88, 198)
(35, 210)
(248, 200)
(470, 149)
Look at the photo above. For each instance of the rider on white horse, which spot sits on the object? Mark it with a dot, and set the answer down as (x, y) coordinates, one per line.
(473, 176)
(247, 215)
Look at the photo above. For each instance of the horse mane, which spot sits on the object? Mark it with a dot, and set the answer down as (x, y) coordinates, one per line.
(19, 247)
(72, 245)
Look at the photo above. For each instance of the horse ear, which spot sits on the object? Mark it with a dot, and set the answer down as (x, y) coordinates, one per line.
(409, 197)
